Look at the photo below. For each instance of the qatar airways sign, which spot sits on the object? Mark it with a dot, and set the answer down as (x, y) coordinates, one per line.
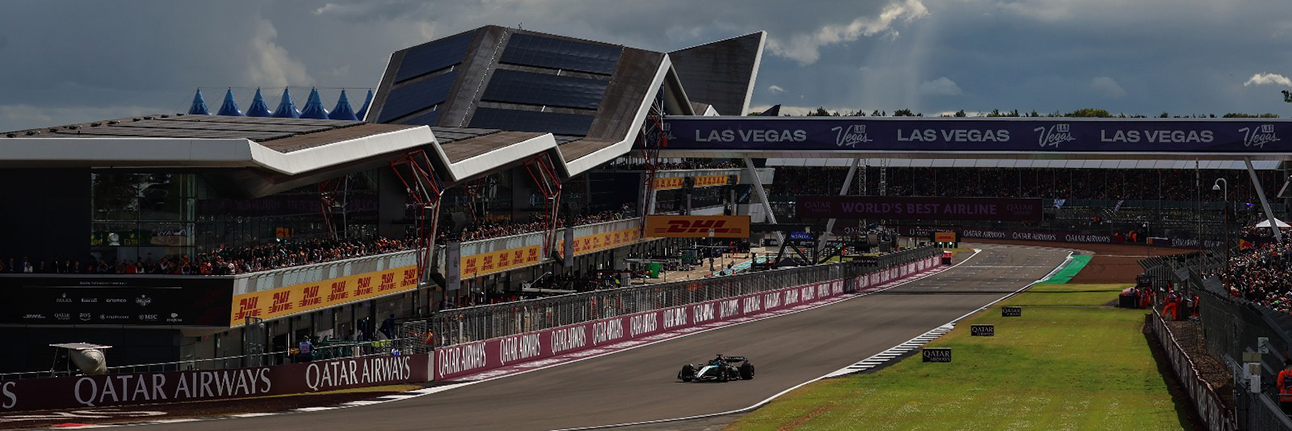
(979, 134)
(909, 208)
(180, 386)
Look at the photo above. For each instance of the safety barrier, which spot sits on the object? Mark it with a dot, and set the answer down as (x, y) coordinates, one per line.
(1205, 399)
(478, 339)
(192, 385)
(1228, 328)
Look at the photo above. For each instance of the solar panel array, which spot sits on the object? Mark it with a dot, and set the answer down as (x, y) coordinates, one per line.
(531, 121)
(433, 56)
(416, 96)
(513, 86)
(554, 53)
(205, 127)
(452, 134)
(427, 119)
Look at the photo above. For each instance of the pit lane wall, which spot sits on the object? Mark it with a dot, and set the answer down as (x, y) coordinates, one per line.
(592, 337)
(181, 386)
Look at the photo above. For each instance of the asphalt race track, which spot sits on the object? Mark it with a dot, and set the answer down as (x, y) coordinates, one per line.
(639, 385)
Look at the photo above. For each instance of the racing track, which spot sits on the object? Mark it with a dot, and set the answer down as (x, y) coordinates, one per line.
(638, 384)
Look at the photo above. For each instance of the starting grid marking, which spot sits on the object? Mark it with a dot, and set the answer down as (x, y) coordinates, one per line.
(550, 362)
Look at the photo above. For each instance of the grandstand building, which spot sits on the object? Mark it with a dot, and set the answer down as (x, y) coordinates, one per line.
(493, 147)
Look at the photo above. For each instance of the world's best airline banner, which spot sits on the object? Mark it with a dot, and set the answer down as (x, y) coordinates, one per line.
(1014, 135)
(911, 208)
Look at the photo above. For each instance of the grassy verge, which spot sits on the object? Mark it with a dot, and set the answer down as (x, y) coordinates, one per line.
(1068, 363)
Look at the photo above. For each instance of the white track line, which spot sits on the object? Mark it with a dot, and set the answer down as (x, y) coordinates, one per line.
(437, 389)
(769, 399)
(773, 397)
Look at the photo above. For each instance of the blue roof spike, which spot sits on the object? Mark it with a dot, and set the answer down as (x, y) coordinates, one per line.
(199, 105)
(258, 107)
(314, 107)
(342, 111)
(230, 106)
(286, 107)
(364, 110)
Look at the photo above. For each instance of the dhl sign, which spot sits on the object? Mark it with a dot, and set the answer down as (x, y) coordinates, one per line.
(300, 298)
(670, 226)
(498, 261)
(702, 181)
(601, 241)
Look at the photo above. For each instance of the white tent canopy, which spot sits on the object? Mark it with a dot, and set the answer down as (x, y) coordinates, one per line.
(1277, 222)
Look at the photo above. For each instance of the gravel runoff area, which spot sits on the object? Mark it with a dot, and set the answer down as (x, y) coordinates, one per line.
(1110, 263)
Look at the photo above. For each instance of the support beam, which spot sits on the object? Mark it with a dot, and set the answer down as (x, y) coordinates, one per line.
(762, 195)
(1265, 203)
(425, 189)
(847, 182)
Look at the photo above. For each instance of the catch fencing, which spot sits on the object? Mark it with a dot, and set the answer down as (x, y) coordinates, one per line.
(1229, 327)
(453, 327)
(1204, 396)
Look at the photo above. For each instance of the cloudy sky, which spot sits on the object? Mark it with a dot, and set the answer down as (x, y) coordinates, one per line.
(65, 61)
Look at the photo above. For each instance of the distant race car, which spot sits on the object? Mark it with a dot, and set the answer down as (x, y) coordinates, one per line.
(727, 369)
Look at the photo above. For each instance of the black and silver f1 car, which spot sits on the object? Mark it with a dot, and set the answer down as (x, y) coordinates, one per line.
(720, 369)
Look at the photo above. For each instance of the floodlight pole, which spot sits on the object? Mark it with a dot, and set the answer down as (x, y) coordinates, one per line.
(1218, 186)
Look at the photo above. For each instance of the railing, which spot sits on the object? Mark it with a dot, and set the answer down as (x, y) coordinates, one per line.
(267, 280)
(451, 327)
(1204, 396)
(1229, 327)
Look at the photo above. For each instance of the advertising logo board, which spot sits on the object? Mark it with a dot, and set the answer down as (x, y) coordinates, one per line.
(669, 226)
(116, 300)
(299, 298)
(178, 386)
(918, 208)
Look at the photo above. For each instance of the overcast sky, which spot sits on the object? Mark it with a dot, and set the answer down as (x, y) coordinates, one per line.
(65, 62)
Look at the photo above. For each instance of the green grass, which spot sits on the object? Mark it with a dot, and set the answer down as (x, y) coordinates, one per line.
(1069, 294)
(1068, 363)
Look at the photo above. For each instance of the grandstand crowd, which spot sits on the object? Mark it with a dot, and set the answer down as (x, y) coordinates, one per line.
(1130, 184)
(224, 260)
(1262, 274)
(536, 223)
(638, 164)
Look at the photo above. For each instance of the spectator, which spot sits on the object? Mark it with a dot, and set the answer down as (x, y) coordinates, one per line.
(388, 327)
(306, 350)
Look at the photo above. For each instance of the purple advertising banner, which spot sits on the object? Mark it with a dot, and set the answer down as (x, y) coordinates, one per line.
(910, 208)
(1093, 238)
(180, 386)
(586, 338)
(1064, 135)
